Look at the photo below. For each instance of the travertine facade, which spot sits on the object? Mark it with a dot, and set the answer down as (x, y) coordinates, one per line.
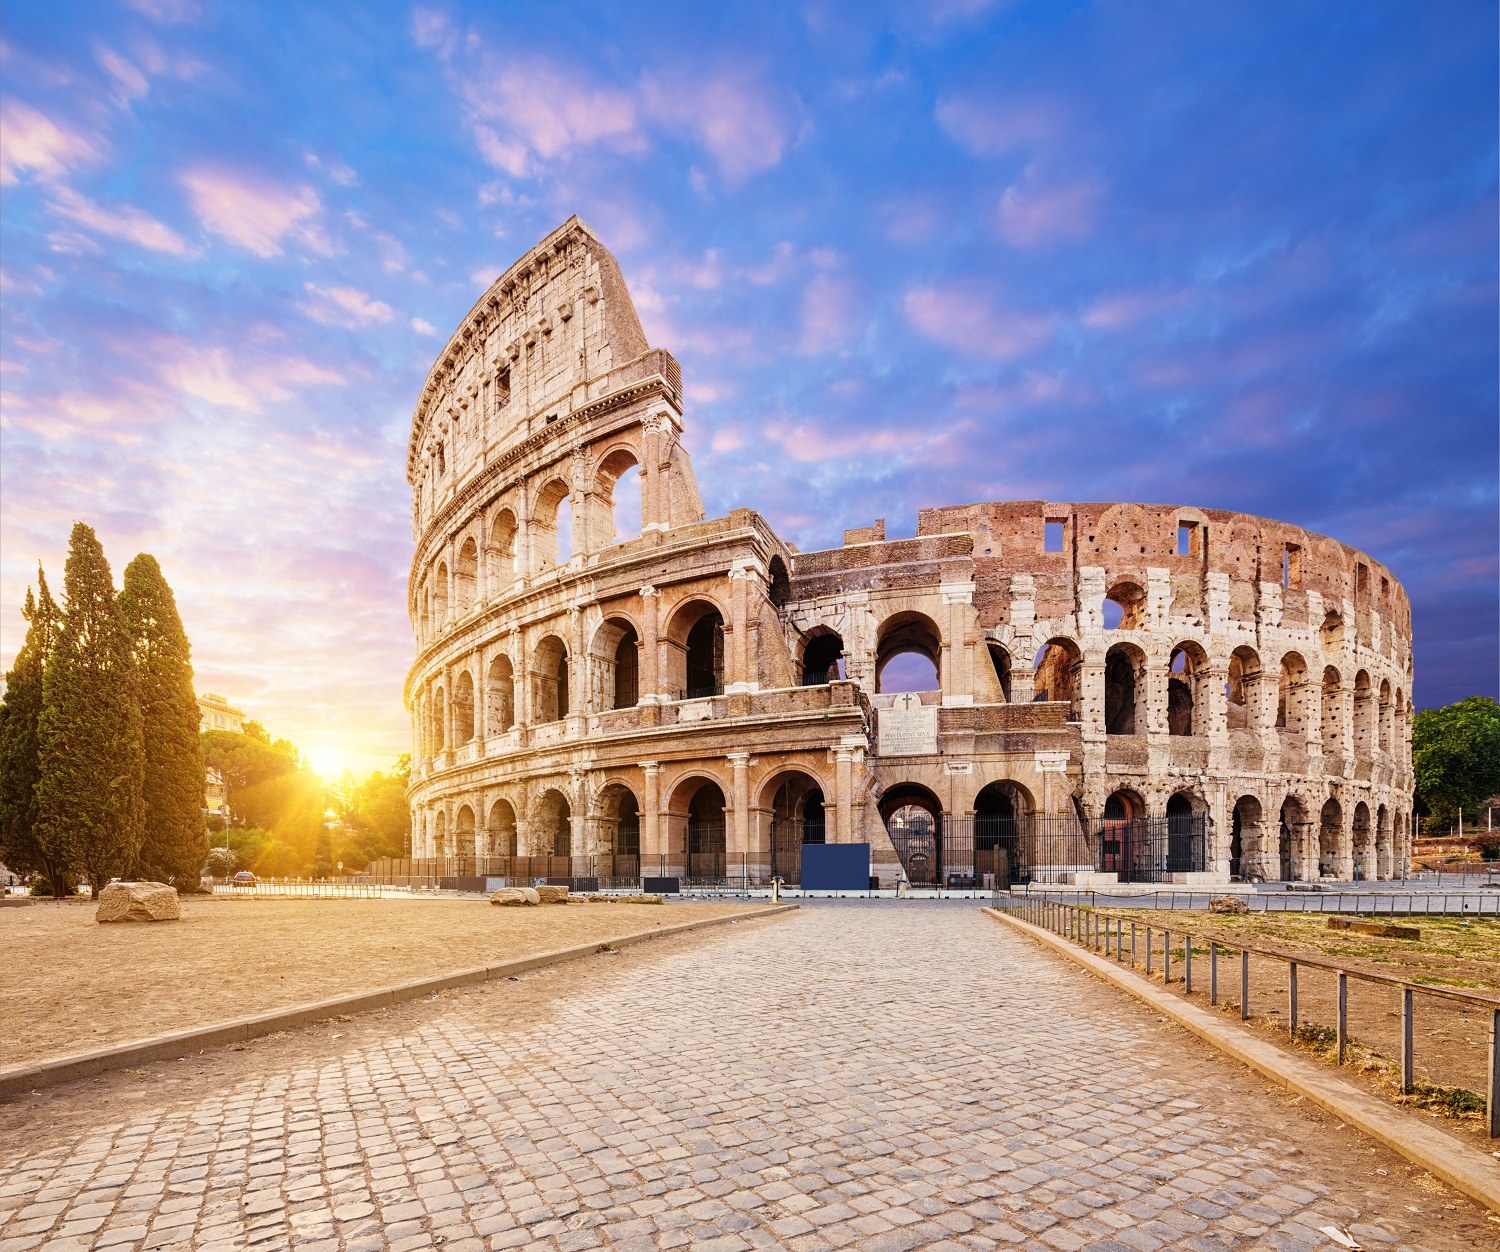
(699, 683)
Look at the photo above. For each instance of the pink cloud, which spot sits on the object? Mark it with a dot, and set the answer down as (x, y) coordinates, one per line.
(1124, 309)
(732, 115)
(968, 321)
(826, 315)
(31, 142)
(344, 306)
(994, 127)
(123, 221)
(1034, 211)
(255, 213)
(245, 381)
(531, 108)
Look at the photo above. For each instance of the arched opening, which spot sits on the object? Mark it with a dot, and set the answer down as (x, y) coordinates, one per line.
(500, 828)
(440, 597)
(463, 833)
(1000, 660)
(500, 696)
(1330, 832)
(1123, 835)
(913, 818)
(552, 526)
(550, 680)
(1186, 834)
(440, 835)
(619, 819)
(1385, 716)
(1241, 690)
(1331, 723)
(999, 857)
(463, 709)
(797, 818)
(1289, 840)
(705, 656)
(706, 858)
(1364, 846)
(1124, 607)
(1123, 670)
(1384, 857)
(1187, 673)
(1057, 667)
(500, 553)
(439, 721)
(619, 496)
(614, 662)
(466, 577)
(908, 653)
(1246, 853)
(780, 589)
(1331, 633)
(1364, 716)
(822, 659)
(1291, 695)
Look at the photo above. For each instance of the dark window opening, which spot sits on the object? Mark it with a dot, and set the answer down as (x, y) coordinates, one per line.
(823, 661)
(705, 657)
(628, 827)
(1291, 567)
(627, 672)
(1119, 694)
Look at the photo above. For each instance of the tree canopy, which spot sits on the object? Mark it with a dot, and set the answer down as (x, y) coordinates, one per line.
(1456, 757)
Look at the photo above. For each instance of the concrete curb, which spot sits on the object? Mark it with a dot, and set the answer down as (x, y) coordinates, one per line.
(181, 1043)
(1462, 1167)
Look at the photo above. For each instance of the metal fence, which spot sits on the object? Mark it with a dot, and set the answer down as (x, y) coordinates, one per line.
(992, 853)
(1112, 935)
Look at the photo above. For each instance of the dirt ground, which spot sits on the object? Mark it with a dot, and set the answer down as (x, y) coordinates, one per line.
(72, 985)
(1451, 1042)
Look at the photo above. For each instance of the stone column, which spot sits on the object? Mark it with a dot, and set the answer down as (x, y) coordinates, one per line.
(843, 790)
(647, 680)
(739, 844)
(737, 678)
(957, 673)
(651, 842)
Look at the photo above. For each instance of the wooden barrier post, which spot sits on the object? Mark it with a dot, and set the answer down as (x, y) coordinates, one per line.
(1407, 1067)
(1343, 1015)
(1244, 984)
(1213, 974)
(1291, 997)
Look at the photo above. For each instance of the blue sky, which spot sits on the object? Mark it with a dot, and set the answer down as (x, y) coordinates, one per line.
(1239, 255)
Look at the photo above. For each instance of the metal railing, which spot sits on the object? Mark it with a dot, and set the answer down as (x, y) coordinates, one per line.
(300, 888)
(1106, 933)
(1296, 899)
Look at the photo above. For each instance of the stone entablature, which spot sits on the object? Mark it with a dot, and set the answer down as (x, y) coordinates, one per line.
(1088, 659)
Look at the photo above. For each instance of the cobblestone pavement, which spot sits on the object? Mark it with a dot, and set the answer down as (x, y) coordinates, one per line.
(879, 1076)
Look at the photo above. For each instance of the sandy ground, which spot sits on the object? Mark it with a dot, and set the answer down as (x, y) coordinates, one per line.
(72, 985)
(1451, 1042)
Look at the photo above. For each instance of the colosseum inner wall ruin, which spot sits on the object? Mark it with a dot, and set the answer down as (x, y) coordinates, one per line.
(1150, 692)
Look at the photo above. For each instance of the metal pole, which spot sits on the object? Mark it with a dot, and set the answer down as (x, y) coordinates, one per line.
(1187, 967)
(1213, 974)
(1244, 984)
(1291, 997)
(1132, 945)
(1406, 1057)
(1166, 957)
(1494, 1092)
(1343, 1015)
(1148, 952)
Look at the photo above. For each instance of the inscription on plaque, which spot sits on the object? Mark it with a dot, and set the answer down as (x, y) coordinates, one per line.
(909, 727)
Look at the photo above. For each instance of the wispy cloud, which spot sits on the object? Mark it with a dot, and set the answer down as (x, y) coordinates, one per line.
(32, 143)
(1037, 211)
(969, 321)
(733, 114)
(247, 380)
(255, 213)
(121, 221)
(344, 306)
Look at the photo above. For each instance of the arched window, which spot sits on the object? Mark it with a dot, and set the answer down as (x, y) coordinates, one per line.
(780, 590)
(439, 721)
(463, 832)
(1185, 689)
(618, 494)
(627, 670)
(440, 597)
(500, 696)
(466, 577)
(822, 659)
(1124, 607)
(552, 526)
(908, 652)
(501, 551)
(705, 833)
(501, 829)
(627, 826)
(705, 656)
(1000, 659)
(1122, 673)
(1330, 830)
(1244, 681)
(1057, 665)
(1291, 696)
(550, 676)
(463, 710)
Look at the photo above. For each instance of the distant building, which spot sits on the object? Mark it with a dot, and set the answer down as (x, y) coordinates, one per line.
(216, 713)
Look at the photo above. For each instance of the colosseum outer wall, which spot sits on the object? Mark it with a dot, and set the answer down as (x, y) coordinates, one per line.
(578, 691)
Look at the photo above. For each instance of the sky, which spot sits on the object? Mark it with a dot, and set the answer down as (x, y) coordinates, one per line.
(1233, 255)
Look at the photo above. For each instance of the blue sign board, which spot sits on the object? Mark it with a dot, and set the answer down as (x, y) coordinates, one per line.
(835, 866)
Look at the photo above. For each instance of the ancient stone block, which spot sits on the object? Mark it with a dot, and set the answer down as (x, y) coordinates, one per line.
(138, 902)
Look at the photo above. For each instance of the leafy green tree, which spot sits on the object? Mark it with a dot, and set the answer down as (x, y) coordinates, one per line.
(1456, 758)
(245, 761)
(175, 844)
(92, 757)
(20, 749)
(375, 816)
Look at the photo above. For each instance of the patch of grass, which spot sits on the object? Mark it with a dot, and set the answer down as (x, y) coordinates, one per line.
(1454, 1102)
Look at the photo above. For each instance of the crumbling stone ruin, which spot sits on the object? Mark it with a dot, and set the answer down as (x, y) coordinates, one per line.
(700, 689)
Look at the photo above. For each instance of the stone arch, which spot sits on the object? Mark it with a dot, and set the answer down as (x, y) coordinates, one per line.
(1000, 812)
(1331, 633)
(695, 652)
(1363, 840)
(779, 585)
(1291, 694)
(617, 814)
(1293, 833)
(500, 551)
(500, 828)
(1124, 690)
(1384, 722)
(1247, 837)
(549, 675)
(551, 516)
(463, 832)
(697, 826)
(1058, 667)
(1332, 722)
(1187, 690)
(614, 664)
(913, 818)
(500, 696)
(1364, 716)
(617, 496)
(1242, 689)
(440, 596)
(822, 657)
(1330, 838)
(1000, 660)
(908, 634)
(466, 577)
(440, 846)
(551, 827)
(796, 804)
(1187, 832)
(463, 709)
(1124, 606)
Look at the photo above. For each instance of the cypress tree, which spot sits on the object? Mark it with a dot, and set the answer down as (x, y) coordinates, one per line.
(89, 790)
(20, 756)
(175, 843)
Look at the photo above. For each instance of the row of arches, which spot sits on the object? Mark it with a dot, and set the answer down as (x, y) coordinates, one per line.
(1368, 844)
(517, 542)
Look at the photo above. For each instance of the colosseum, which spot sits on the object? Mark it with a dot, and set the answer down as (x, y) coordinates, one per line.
(610, 685)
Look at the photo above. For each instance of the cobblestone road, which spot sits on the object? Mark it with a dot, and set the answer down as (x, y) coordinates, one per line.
(878, 1076)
